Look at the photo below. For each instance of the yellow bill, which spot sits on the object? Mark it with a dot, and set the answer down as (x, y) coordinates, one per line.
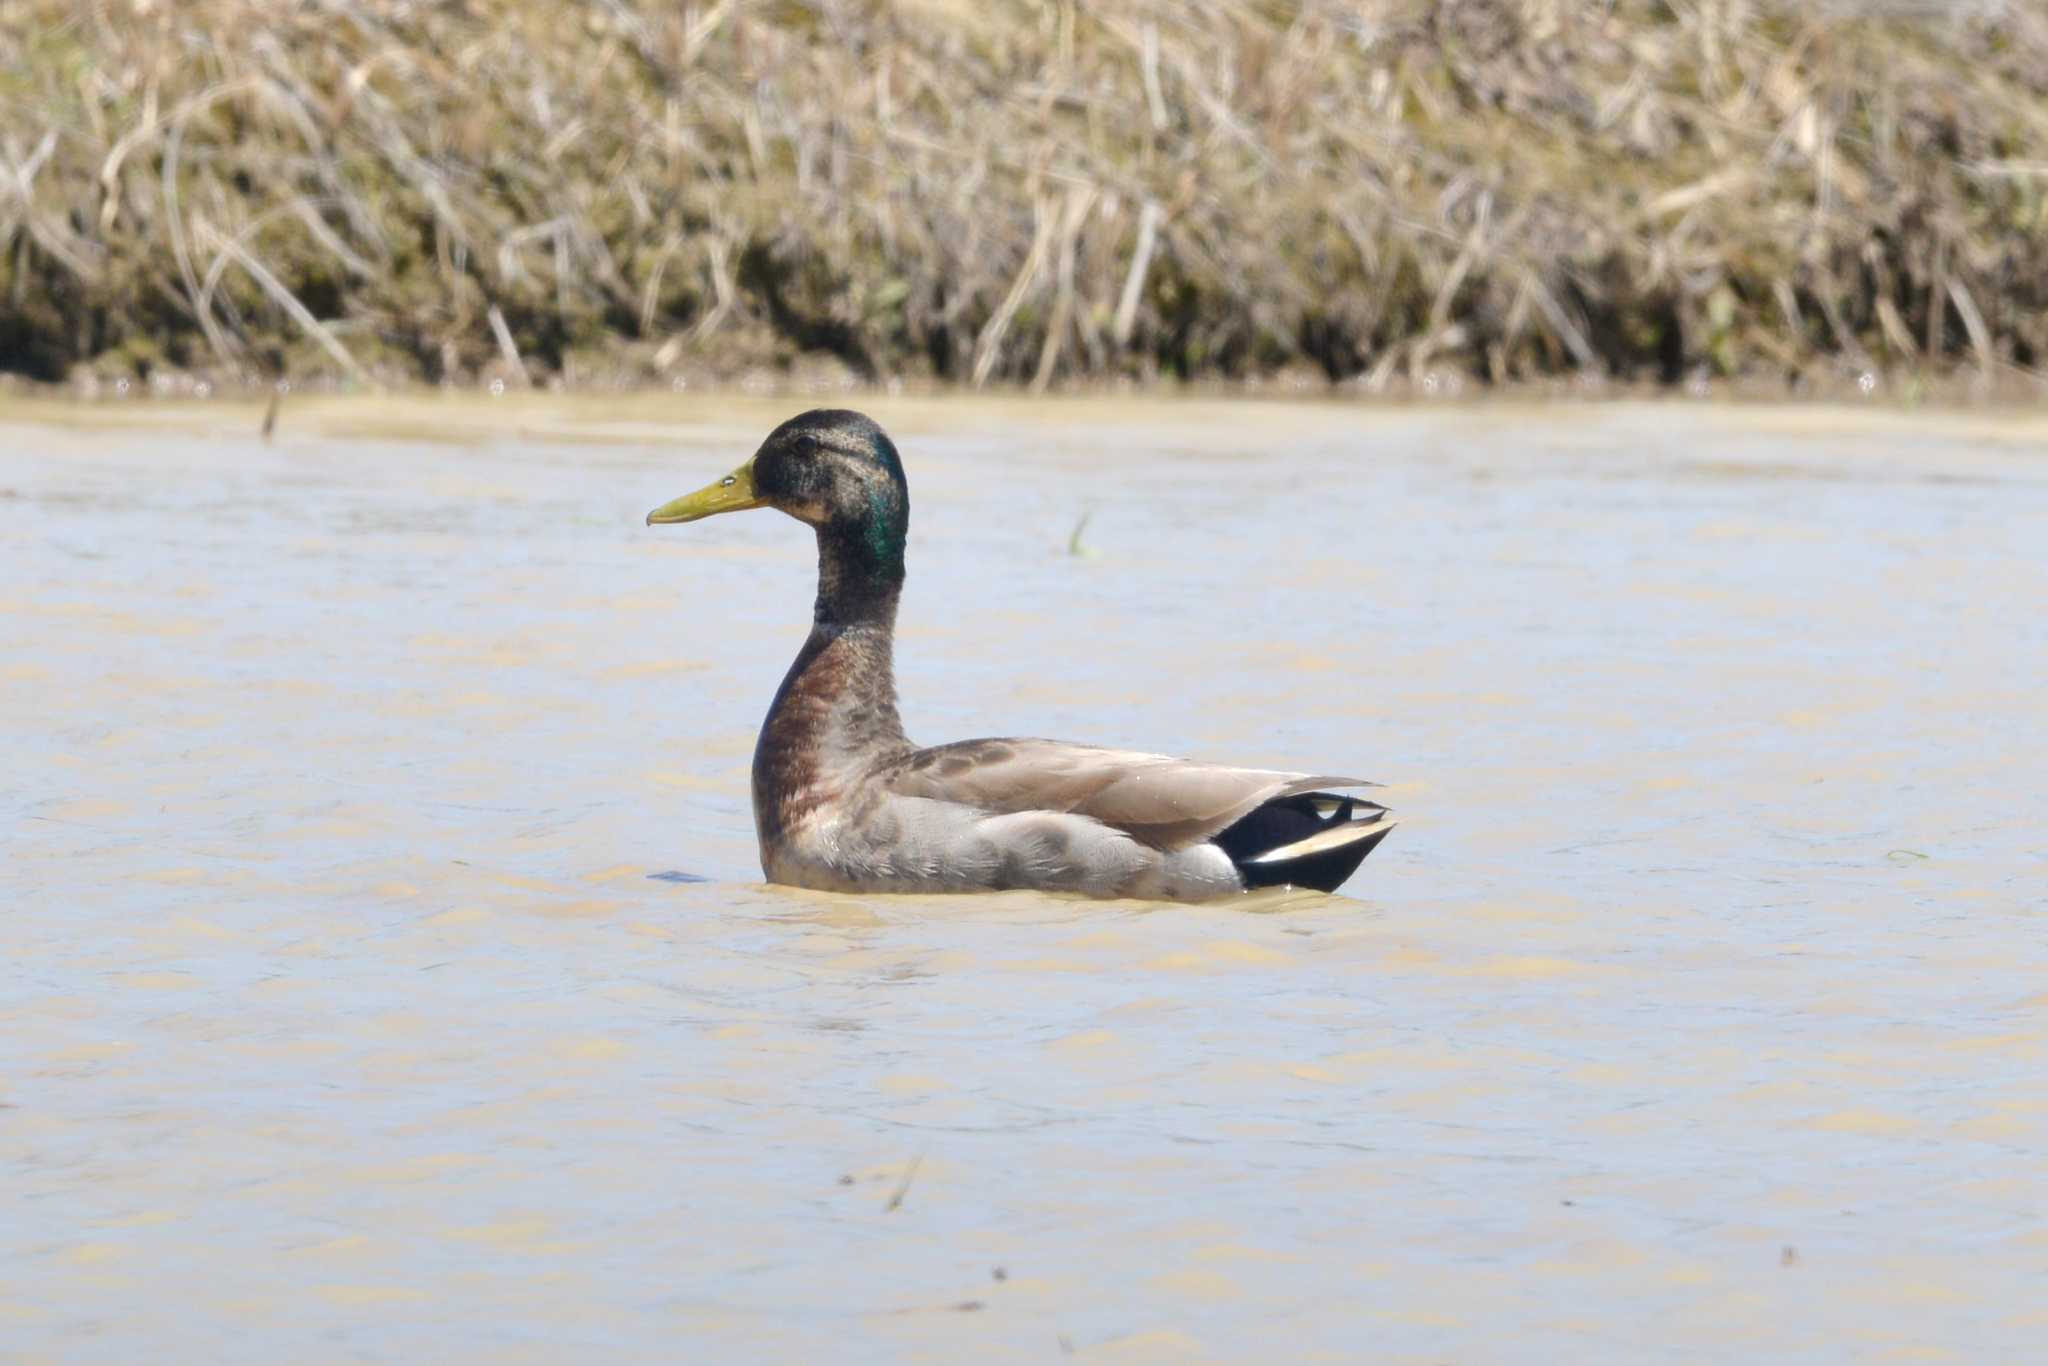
(734, 493)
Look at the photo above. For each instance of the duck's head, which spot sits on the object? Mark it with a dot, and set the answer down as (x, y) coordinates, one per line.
(831, 468)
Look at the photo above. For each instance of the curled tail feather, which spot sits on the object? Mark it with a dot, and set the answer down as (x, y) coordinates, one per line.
(1312, 839)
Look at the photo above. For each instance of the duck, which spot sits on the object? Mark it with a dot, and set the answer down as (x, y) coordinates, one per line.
(845, 802)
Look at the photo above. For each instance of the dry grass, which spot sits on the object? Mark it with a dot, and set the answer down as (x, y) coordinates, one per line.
(626, 190)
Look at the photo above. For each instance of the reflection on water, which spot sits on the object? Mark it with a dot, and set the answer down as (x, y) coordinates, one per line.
(365, 999)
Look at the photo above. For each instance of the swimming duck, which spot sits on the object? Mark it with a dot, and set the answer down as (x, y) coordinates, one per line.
(843, 801)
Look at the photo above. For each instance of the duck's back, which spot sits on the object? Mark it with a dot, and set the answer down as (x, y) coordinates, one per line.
(997, 814)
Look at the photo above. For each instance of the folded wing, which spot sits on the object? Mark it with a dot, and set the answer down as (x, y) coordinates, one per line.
(1159, 801)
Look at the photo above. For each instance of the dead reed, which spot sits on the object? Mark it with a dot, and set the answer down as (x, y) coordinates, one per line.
(982, 191)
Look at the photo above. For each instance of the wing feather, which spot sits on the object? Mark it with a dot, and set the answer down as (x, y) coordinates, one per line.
(1160, 801)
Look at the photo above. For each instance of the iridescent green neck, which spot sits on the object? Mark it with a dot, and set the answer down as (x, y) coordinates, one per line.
(860, 562)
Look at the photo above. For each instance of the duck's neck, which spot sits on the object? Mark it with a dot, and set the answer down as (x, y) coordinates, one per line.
(835, 712)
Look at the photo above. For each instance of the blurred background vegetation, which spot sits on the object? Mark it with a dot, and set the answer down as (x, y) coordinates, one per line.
(1029, 192)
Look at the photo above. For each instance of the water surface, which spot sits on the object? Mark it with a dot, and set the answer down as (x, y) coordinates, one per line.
(364, 1002)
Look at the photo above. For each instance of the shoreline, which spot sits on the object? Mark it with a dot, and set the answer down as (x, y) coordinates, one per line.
(1196, 419)
(1029, 197)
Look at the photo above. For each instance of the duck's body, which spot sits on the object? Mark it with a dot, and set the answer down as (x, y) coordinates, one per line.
(844, 802)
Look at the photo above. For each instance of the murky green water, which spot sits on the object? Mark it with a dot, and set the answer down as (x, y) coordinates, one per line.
(1698, 1011)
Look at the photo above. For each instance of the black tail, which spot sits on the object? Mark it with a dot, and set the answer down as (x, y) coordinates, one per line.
(1314, 839)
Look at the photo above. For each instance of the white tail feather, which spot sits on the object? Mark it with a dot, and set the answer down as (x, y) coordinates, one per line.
(1325, 839)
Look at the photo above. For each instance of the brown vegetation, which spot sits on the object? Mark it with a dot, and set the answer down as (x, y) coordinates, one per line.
(1021, 192)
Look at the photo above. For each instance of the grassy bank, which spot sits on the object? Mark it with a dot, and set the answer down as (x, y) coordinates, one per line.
(628, 191)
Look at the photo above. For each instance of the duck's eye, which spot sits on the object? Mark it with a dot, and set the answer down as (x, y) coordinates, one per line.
(807, 442)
